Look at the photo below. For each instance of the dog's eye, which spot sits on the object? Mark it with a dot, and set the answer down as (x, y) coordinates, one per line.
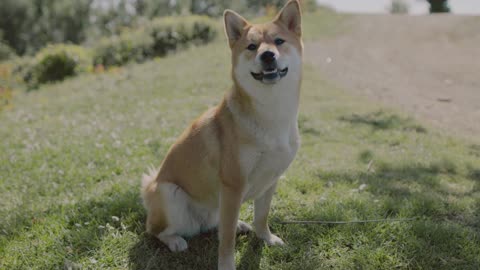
(279, 41)
(252, 47)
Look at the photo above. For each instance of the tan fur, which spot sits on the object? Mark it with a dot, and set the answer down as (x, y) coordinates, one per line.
(206, 161)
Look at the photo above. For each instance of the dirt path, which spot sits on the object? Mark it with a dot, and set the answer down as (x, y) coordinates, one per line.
(428, 66)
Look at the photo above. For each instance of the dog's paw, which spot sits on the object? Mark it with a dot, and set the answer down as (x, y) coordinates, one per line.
(272, 240)
(243, 227)
(177, 244)
(226, 262)
(174, 242)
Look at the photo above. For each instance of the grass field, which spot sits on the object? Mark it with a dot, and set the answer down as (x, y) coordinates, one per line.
(72, 154)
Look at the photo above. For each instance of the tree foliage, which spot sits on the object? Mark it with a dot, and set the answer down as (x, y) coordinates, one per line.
(439, 6)
(399, 7)
(29, 25)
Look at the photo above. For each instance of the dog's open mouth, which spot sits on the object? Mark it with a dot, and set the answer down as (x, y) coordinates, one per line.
(270, 75)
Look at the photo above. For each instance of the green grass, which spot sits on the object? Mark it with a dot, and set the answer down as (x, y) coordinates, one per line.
(72, 153)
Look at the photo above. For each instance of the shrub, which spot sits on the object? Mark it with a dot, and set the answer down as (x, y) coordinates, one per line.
(6, 52)
(29, 25)
(6, 96)
(308, 5)
(129, 46)
(439, 6)
(399, 7)
(156, 38)
(16, 71)
(56, 62)
(171, 33)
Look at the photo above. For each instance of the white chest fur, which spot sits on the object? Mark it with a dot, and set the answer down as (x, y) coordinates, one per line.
(264, 163)
(275, 136)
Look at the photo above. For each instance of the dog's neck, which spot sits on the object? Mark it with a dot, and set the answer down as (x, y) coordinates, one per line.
(272, 108)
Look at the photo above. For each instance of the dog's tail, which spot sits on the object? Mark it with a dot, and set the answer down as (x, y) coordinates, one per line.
(149, 185)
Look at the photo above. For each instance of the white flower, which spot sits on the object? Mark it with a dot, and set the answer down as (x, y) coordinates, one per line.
(362, 187)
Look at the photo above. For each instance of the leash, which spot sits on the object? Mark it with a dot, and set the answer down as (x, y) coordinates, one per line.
(308, 222)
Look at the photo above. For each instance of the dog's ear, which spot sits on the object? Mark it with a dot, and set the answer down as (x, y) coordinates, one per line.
(291, 17)
(234, 26)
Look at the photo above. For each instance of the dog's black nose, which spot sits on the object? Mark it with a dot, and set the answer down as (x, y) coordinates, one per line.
(267, 57)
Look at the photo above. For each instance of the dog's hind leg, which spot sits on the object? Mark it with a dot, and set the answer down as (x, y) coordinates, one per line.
(156, 199)
(243, 227)
(174, 241)
(183, 218)
(157, 226)
(154, 204)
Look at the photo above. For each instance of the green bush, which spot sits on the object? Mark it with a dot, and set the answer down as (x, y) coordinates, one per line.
(56, 62)
(28, 25)
(156, 38)
(309, 5)
(171, 33)
(130, 46)
(439, 6)
(16, 73)
(6, 52)
(399, 7)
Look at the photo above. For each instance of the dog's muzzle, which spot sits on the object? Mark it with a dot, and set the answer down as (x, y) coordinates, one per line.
(270, 73)
(270, 76)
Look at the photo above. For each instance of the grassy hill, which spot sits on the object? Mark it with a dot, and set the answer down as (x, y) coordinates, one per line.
(72, 153)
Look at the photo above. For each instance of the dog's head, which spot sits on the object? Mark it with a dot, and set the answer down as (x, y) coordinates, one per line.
(265, 54)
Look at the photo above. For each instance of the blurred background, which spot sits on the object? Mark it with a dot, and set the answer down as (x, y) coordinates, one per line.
(44, 41)
(407, 6)
(423, 64)
(28, 25)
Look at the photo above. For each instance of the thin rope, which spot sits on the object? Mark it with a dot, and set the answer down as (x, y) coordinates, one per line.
(346, 222)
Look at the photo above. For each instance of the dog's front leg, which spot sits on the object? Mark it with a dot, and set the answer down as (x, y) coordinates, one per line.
(260, 219)
(230, 201)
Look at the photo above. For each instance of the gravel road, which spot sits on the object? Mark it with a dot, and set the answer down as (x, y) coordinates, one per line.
(428, 66)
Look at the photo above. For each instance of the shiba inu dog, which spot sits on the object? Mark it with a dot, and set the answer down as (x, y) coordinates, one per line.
(237, 150)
